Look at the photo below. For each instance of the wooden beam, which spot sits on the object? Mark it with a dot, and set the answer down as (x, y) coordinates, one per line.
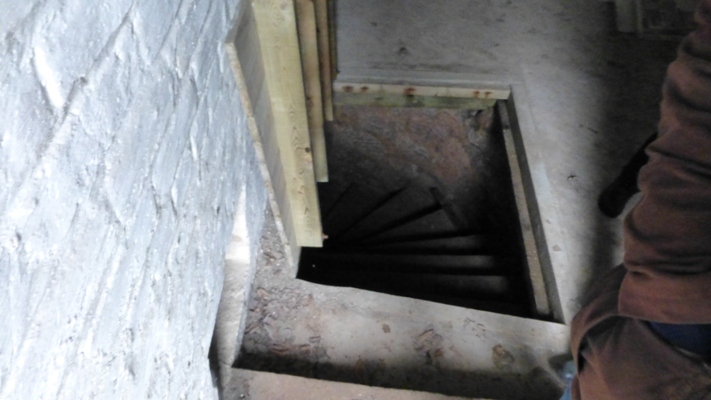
(308, 41)
(535, 275)
(399, 100)
(324, 57)
(267, 70)
(244, 53)
(413, 90)
(279, 44)
(331, 10)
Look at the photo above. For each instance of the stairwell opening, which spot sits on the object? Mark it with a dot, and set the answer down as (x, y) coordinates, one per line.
(428, 203)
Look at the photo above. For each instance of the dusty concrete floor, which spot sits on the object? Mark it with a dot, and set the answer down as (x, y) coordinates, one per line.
(350, 335)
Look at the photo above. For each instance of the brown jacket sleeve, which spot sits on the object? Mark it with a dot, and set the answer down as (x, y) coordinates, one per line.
(668, 234)
(666, 276)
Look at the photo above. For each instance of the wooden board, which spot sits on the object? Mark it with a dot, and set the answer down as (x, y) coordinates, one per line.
(400, 100)
(324, 56)
(306, 24)
(332, 37)
(416, 90)
(533, 264)
(279, 46)
(242, 47)
(498, 85)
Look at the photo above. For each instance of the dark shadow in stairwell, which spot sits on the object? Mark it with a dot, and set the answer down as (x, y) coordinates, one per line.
(420, 204)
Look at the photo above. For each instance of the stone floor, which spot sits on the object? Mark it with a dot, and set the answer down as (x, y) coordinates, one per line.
(350, 335)
(254, 385)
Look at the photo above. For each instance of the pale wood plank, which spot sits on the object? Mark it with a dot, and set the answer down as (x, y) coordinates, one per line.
(243, 50)
(413, 90)
(324, 56)
(279, 44)
(306, 24)
(399, 100)
(533, 263)
(481, 82)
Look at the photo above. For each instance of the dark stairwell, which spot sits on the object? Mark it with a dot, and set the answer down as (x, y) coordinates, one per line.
(420, 204)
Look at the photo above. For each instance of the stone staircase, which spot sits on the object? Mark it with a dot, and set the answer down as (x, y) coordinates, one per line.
(350, 343)
(410, 243)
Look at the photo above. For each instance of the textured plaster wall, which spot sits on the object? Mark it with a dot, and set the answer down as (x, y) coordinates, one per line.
(123, 152)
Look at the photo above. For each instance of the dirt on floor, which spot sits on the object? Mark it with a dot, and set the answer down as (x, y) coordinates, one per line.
(348, 335)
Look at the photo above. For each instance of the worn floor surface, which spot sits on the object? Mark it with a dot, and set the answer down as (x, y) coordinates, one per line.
(351, 335)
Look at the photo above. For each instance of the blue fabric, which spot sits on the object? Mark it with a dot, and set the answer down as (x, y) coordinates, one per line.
(693, 338)
(567, 395)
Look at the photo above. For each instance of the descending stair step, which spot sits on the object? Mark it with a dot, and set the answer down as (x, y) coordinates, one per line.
(408, 204)
(329, 193)
(321, 260)
(270, 386)
(494, 288)
(353, 205)
(430, 226)
(500, 307)
(455, 215)
(471, 244)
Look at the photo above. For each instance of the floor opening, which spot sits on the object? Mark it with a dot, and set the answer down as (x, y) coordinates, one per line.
(420, 204)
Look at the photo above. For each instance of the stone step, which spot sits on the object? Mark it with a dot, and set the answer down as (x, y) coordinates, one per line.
(434, 225)
(407, 205)
(470, 244)
(256, 385)
(356, 202)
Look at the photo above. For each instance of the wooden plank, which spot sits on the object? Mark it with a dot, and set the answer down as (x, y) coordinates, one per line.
(324, 56)
(279, 45)
(400, 100)
(535, 276)
(332, 37)
(306, 24)
(415, 90)
(482, 82)
(243, 51)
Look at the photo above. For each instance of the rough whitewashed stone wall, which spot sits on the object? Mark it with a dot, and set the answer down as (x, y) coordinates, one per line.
(123, 150)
